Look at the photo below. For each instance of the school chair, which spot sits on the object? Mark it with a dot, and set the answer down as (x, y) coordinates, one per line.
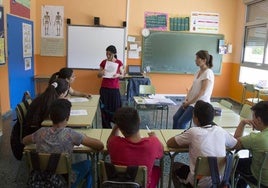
(202, 169)
(251, 91)
(226, 103)
(110, 174)
(251, 182)
(246, 111)
(64, 166)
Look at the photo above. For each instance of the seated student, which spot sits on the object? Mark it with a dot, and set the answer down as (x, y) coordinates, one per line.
(206, 139)
(255, 142)
(60, 139)
(39, 108)
(132, 149)
(68, 74)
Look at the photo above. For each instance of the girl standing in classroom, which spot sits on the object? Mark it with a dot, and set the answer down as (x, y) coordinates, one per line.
(111, 69)
(201, 89)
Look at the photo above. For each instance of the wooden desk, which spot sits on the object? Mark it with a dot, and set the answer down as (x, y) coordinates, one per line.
(79, 120)
(82, 101)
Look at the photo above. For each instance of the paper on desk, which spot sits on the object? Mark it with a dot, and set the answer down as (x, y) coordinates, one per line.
(110, 69)
(159, 101)
(78, 112)
(78, 99)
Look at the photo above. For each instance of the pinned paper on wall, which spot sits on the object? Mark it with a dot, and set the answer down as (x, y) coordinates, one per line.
(134, 47)
(204, 22)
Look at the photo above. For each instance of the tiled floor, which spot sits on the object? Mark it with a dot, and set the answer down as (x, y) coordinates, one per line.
(10, 167)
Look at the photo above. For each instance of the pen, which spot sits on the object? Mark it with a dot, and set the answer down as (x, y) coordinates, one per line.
(148, 129)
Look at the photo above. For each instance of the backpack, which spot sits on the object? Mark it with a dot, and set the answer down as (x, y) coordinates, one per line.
(46, 178)
(213, 166)
(120, 179)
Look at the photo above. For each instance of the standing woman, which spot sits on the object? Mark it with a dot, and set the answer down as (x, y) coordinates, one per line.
(68, 74)
(201, 89)
(110, 99)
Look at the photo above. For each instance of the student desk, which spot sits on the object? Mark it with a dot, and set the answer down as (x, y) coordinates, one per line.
(82, 101)
(145, 103)
(228, 120)
(79, 120)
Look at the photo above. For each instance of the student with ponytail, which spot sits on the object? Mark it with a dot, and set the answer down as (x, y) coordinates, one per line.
(40, 107)
(69, 76)
(110, 99)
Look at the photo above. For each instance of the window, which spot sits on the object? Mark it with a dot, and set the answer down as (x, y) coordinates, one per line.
(255, 52)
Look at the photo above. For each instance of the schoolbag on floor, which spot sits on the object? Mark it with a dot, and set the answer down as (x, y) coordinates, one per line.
(215, 177)
(120, 179)
(46, 178)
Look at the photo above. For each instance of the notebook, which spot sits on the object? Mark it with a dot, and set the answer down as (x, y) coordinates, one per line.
(134, 70)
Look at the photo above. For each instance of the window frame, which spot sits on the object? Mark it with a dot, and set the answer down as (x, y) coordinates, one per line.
(250, 25)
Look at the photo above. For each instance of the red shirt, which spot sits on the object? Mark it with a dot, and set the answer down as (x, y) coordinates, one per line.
(125, 152)
(112, 83)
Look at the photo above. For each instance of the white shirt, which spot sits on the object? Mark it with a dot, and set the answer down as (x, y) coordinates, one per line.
(205, 141)
(197, 84)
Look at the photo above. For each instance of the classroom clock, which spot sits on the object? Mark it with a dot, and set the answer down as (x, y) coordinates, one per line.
(145, 32)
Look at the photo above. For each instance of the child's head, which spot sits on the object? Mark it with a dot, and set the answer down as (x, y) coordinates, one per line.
(58, 87)
(111, 52)
(60, 110)
(203, 113)
(64, 73)
(260, 110)
(128, 120)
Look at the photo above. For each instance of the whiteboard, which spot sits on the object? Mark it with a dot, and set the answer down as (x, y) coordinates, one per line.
(86, 45)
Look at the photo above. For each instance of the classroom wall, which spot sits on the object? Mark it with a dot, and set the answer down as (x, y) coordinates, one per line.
(82, 12)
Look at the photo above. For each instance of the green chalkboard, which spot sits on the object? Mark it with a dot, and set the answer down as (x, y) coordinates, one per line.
(174, 52)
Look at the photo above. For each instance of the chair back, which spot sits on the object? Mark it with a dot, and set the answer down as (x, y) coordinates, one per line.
(146, 90)
(246, 111)
(202, 167)
(21, 111)
(141, 176)
(64, 165)
(264, 167)
(226, 103)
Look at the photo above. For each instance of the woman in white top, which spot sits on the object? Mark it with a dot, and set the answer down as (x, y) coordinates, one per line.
(201, 89)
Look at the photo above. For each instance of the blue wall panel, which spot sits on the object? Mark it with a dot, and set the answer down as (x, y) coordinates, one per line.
(20, 80)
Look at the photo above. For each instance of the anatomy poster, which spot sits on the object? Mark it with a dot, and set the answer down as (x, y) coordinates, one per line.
(52, 21)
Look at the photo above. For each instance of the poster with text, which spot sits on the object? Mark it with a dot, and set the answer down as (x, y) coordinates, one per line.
(27, 40)
(204, 22)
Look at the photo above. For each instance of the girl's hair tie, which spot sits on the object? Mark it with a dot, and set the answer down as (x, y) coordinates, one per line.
(55, 84)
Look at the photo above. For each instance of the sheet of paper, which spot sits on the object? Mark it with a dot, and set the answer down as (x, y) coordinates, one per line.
(110, 69)
(133, 46)
(78, 99)
(78, 112)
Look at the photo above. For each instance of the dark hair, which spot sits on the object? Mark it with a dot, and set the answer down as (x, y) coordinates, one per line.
(204, 112)
(64, 73)
(112, 49)
(127, 119)
(261, 110)
(203, 54)
(60, 110)
(39, 108)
